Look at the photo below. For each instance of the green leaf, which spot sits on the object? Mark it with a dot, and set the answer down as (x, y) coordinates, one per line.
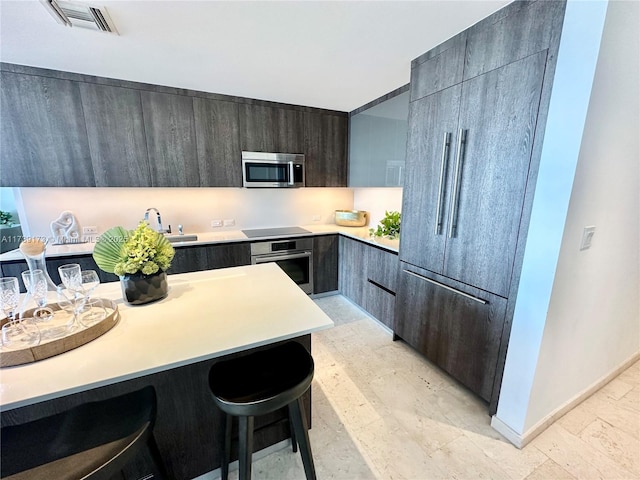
(109, 249)
(389, 225)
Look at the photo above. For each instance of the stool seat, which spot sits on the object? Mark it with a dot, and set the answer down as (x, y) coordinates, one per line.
(260, 383)
(90, 441)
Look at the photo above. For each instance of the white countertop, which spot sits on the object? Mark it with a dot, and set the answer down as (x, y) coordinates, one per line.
(206, 315)
(360, 233)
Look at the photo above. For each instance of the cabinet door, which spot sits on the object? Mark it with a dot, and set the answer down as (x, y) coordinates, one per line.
(325, 263)
(218, 142)
(380, 303)
(459, 330)
(440, 70)
(228, 255)
(116, 134)
(189, 259)
(382, 267)
(325, 149)
(271, 129)
(171, 140)
(433, 121)
(43, 139)
(498, 113)
(353, 266)
(524, 28)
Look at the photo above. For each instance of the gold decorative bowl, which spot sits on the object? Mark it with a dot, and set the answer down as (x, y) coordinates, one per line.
(351, 218)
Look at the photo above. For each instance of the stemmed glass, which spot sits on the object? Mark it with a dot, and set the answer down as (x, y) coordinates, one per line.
(9, 296)
(70, 275)
(72, 301)
(96, 311)
(36, 283)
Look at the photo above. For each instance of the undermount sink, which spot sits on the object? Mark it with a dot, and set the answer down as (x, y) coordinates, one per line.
(181, 238)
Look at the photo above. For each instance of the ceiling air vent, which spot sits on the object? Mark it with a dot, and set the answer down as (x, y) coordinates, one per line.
(80, 15)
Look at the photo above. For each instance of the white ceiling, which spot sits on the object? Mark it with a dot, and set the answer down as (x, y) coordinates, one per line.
(331, 54)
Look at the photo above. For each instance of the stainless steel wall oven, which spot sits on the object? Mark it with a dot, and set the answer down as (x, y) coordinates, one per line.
(294, 256)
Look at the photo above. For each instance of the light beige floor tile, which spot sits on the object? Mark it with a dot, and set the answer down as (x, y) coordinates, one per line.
(577, 457)
(631, 375)
(517, 463)
(550, 470)
(616, 444)
(462, 459)
(631, 400)
(582, 415)
(616, 389)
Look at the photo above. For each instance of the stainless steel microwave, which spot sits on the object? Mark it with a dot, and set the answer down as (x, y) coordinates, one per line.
(272, 170)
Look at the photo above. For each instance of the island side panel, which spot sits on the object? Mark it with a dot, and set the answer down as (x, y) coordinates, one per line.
(189, 428)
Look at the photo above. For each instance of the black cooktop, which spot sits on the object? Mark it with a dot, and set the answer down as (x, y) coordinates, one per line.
(274, 232)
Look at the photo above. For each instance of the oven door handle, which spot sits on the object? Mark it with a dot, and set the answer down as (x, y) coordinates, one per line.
(284, 256)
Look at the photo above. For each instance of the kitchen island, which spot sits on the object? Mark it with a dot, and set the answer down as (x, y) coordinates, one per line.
(171, 344)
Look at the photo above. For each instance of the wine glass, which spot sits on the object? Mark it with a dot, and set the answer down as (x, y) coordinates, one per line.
(9, 296)
(36, 283)
(93, 310)
(72, 301)
(70, 275)
(18, 334)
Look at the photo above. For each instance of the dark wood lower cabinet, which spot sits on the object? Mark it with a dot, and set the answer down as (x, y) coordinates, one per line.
(458, 328)
(325, 263)
(189, 428)
(210, 257)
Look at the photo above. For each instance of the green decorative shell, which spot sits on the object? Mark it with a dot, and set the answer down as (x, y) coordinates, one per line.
(109, 249)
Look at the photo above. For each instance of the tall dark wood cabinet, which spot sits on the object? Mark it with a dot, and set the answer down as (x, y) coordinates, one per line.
(116, 132)
(171, 139)
(478, 107)
(352, 272)
(325, 148)
(43, 139)
(218, 142)
(325, 263)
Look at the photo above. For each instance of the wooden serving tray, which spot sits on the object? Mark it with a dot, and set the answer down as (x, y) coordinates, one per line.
(11, 358)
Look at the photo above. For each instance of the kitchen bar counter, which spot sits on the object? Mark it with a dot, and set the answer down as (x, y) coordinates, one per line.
(206, 315)
(359, 233)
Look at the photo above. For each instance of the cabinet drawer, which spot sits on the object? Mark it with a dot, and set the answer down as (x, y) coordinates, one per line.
(380, 303)
(458, 329)
(382, 267)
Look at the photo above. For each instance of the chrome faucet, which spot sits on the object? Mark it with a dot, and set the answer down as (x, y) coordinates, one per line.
(159, 228)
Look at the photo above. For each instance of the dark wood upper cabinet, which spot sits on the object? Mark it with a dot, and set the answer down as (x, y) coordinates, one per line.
(43, 139)
(218, 142)
(435, 71)
(271, 129)
(116, 132)
(171, 139)
(325, 148)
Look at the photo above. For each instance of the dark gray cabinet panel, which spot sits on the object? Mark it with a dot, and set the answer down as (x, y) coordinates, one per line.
(208, 257)
(382, 267)
(325, 263)
(115, 129)
(523, 29)
(218, 143)
(457, 328)
(433, 123)
(271, 129)
(499, 111)
(43, 139)
(353, 275)
(171, 141)
(325, 149)
(440, 71)
(380, 303)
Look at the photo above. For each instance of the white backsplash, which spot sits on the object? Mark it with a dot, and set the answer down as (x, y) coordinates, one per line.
(376, 201)
(194, 208)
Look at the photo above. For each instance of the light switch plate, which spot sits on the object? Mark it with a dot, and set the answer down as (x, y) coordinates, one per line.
(587, 236)
(229, 222)
(216, 223)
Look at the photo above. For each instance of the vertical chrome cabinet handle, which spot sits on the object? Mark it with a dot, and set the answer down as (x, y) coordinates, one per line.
(291, 179)
(455, 194)
(443, 168)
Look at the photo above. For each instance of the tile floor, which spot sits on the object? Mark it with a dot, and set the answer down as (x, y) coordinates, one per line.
(380, 411)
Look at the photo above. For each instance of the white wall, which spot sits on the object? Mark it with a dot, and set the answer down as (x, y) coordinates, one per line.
(192, 207)
(577, 312)
(376, 201)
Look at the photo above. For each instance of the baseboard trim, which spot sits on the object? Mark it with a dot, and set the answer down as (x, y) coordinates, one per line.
(520, 440)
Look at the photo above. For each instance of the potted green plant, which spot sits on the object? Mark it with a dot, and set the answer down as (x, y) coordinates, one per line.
(140, 258)
(389, 226)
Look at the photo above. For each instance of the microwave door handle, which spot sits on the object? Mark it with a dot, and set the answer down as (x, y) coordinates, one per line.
(291, 182)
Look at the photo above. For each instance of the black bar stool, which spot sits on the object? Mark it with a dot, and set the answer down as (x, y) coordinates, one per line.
(94, 440)
(257, 384)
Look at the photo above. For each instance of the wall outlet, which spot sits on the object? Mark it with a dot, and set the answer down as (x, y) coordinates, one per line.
(316, 218)
(216, 223)
(89, 230)
(587, 236)
(229, 222)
